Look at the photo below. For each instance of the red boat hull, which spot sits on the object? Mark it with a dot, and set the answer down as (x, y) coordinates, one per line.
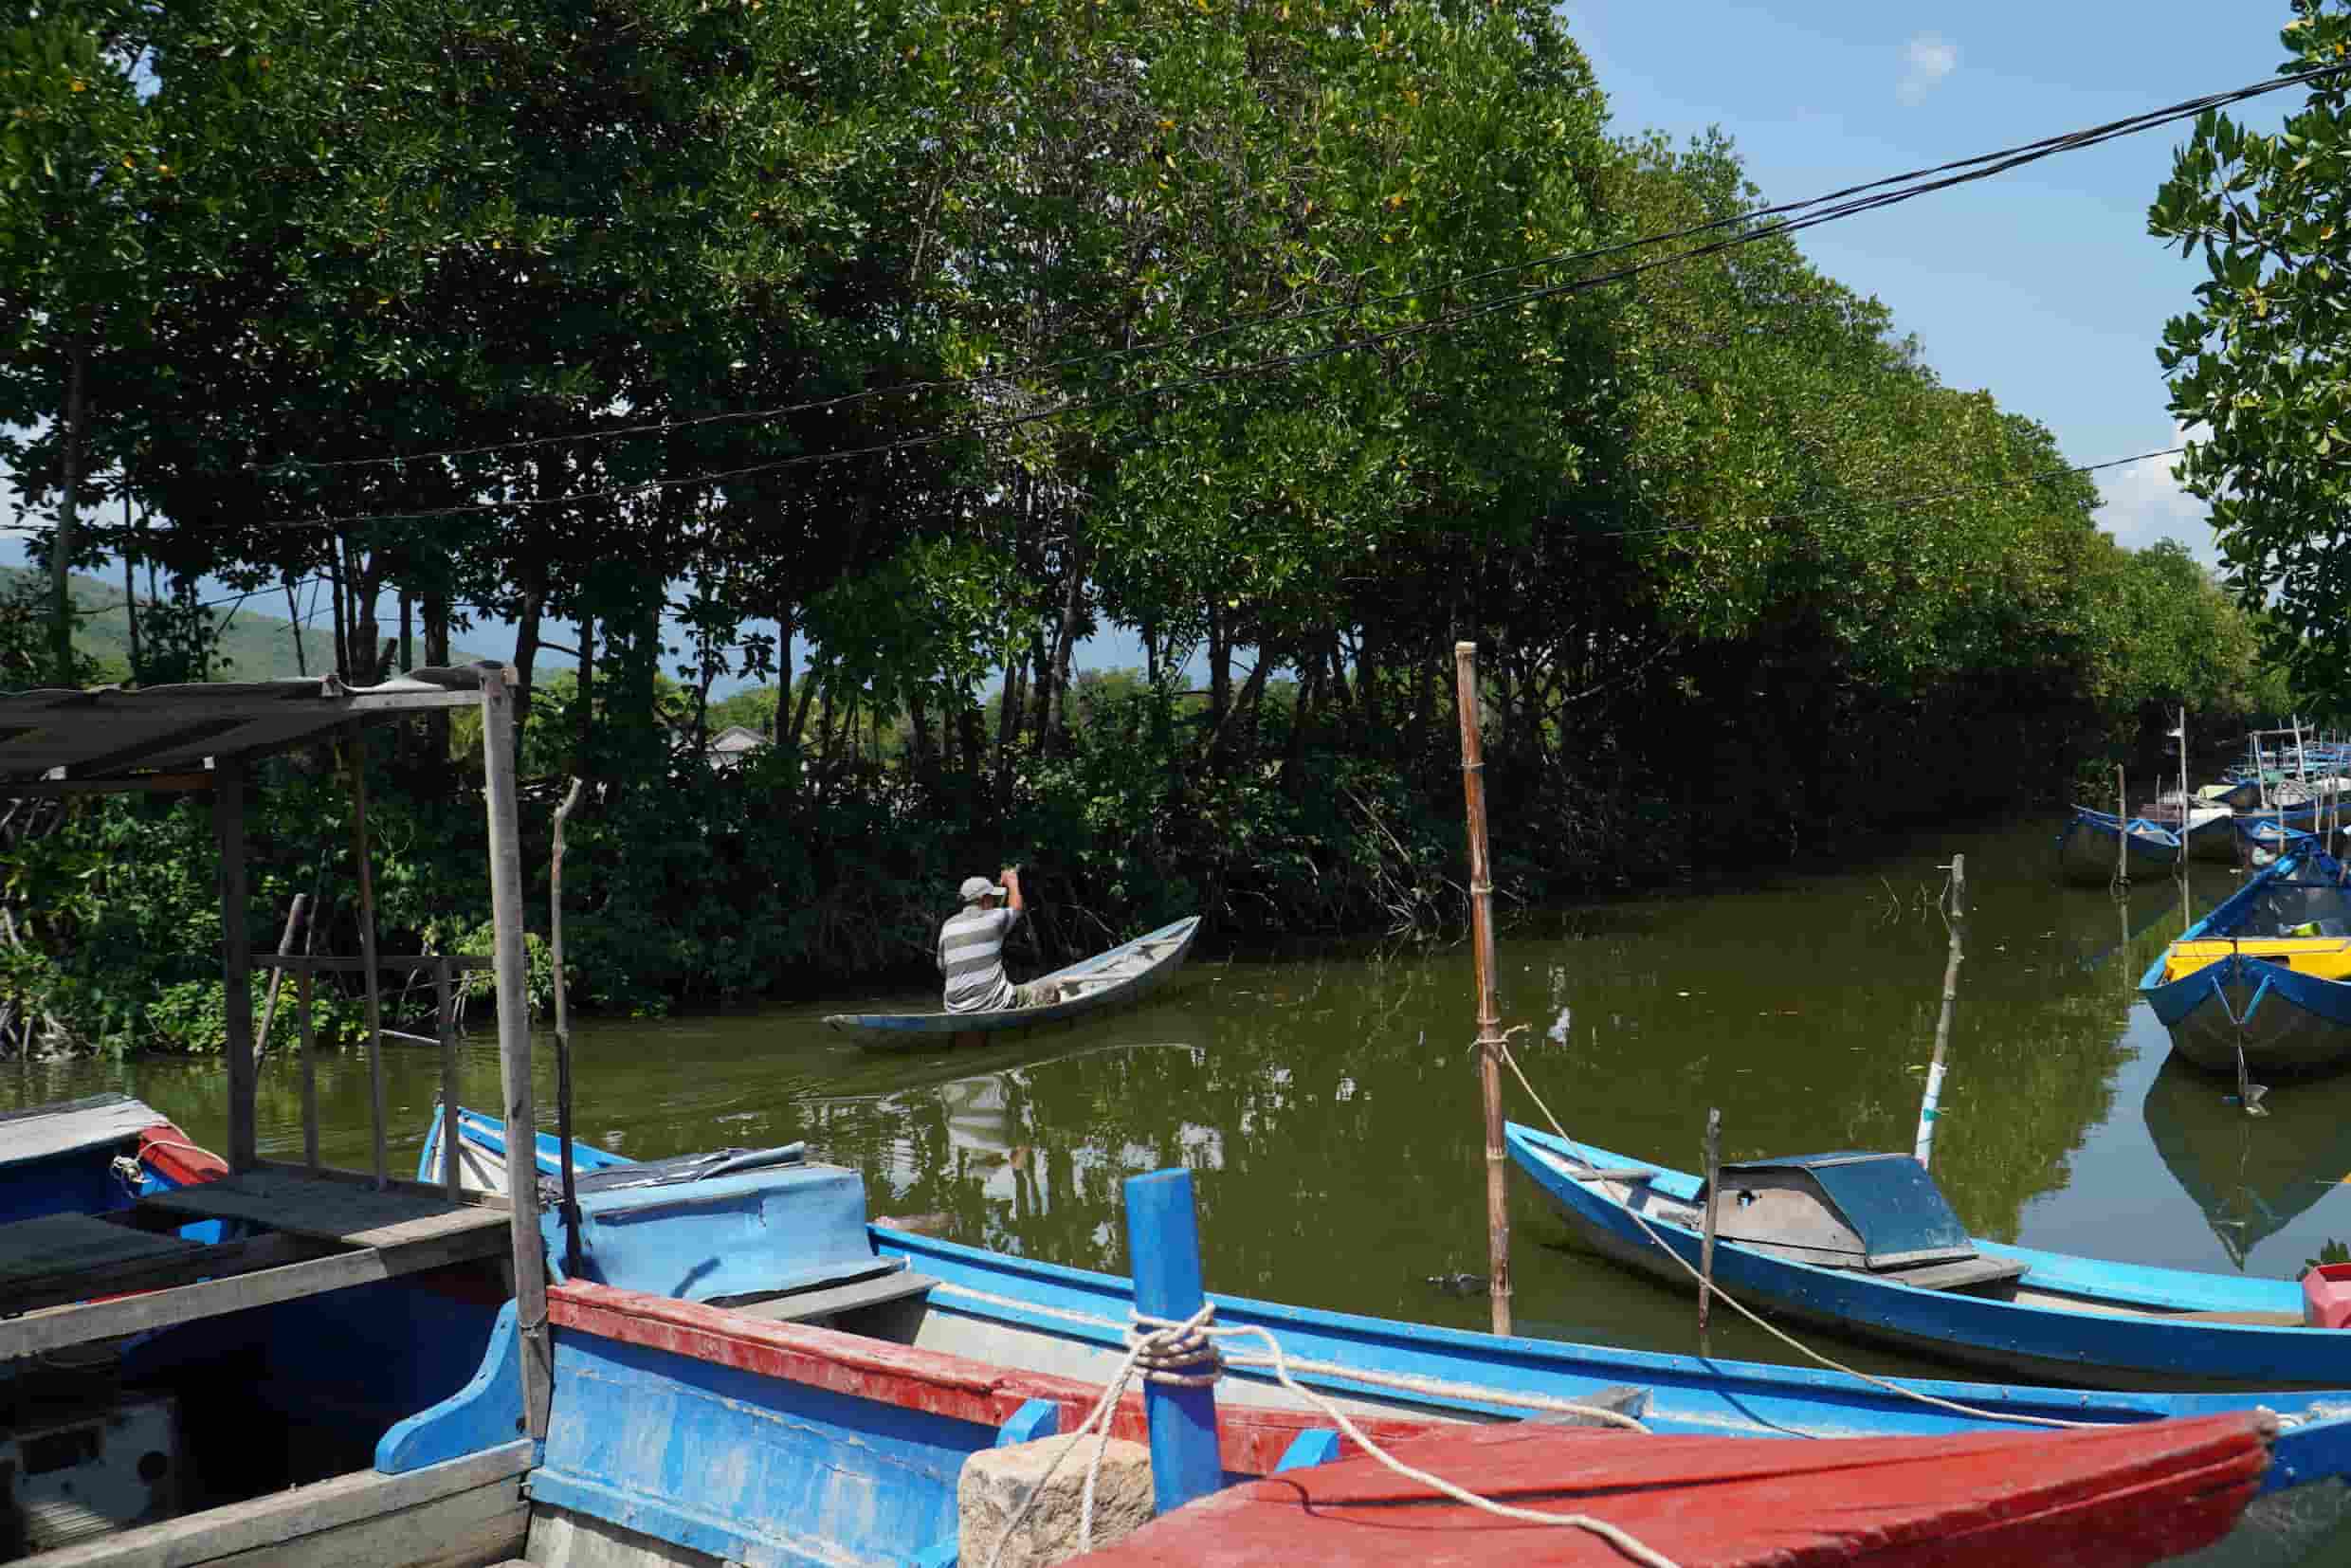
(2086, 1499)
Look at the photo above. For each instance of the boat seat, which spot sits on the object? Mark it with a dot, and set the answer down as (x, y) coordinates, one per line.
(2257, 1320)
(830, 1301)
(1973, 1274)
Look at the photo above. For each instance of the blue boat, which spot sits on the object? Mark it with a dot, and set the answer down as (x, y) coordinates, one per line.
(1118, 978)
(2253, 987)
(94, 1155)
(1864, 1243)
(2090, 849)
(652, 1390)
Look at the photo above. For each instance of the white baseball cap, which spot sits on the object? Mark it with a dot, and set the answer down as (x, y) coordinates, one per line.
(977, 888)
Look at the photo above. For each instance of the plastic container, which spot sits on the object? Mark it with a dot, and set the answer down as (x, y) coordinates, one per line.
(2326, 1296)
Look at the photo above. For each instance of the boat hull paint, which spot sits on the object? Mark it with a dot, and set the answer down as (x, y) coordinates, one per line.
(2045, 1342)
(2287, 1024)
(2088, 852)
(914, 1031)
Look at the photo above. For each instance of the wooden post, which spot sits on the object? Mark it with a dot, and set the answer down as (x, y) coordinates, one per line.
(2122, 827)
(2183, 786)
(310, 1069)
(277, 977)
(236, 958)
(1714, 1207)
(1930, 1104)
(1164, 1239)
(563, 1034)
(356, 749)
(514, 1043)
(1482, 960)
(444, 1020)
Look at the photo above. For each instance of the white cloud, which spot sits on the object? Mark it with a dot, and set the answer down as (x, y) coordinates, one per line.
(2145, 503)
(1926, 60)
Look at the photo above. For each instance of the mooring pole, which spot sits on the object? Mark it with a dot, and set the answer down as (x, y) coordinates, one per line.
(2122, 827)
(1490, 1043)
(356, 749)
(563, 1035)
(1929, 1106)
(285, 950)
(1714, 1207)
(1164, 1239)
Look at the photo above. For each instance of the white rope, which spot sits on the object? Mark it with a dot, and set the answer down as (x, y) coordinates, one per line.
(1173, 1353)
(1419, 1388)
(1778, 1333)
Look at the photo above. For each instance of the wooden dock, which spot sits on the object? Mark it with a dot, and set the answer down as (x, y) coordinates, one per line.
(317, 1232)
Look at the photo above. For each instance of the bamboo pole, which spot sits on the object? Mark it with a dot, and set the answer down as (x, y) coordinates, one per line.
(564, 1033)
(277, 977)
(514, 1046)
(355, 751)
(1482, 952)
(1930, 1105)
(1714, 1207)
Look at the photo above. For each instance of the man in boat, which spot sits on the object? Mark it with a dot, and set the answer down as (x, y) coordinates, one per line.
(970, 949)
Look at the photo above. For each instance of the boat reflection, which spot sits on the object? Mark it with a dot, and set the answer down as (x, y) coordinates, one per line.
(2251, 1176)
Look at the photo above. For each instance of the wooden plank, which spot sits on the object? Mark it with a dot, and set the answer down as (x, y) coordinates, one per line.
(255, 1530)
(480, 1197)
(60, 1327)
(191, 1262)
(331, 1210)
(172, 783)
(236, 959)
(50, 1243)
(802, 1305)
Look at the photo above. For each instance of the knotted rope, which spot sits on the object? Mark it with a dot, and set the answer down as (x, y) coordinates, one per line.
(1184, 1355)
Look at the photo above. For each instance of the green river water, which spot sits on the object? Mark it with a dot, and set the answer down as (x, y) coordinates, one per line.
(1329, 1105)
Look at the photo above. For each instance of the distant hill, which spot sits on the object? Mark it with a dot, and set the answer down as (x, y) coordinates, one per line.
(254, 647)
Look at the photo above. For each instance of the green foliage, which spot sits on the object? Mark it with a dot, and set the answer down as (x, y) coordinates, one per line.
(2260, 368)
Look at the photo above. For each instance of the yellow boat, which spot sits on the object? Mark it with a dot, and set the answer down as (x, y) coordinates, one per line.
(2321, 958)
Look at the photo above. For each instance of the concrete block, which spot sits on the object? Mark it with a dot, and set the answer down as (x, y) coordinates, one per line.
(996, 1484)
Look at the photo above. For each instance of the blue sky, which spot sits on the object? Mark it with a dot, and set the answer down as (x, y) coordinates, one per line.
(2041, 285)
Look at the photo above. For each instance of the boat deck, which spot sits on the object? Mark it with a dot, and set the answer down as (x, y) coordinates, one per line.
(68, 1279)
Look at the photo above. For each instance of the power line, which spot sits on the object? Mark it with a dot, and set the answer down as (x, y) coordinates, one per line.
(1788, 217)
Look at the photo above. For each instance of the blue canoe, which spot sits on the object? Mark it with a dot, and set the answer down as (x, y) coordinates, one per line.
(96, 1156)
(2283, 1021)
(1004, 1309)
(2089, 850)
(1123, 974)
(2070, 1320)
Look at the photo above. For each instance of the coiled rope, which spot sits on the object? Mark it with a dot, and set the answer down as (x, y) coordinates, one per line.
(1185, 1355)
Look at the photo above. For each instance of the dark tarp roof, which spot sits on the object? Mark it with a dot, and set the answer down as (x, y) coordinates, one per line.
(114, 733)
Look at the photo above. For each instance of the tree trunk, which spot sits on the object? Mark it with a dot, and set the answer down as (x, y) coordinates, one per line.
(130, 593)
(919, 721)
(1008, 727)
(408, 647)
(526, 643)
(1309, 686)
(367, 643)
(342, 630)
(1219, 675)
(1041, 691)
(70, 491)
(587, 692)
(436, 618)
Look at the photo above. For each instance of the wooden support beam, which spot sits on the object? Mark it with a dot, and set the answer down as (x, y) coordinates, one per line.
(356, 751)
(44, 789)
(236, 958)
(514, 1045)
(310, 1072)
(445, 1015)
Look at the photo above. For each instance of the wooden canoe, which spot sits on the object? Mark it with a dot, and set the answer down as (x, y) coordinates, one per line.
(1123, 974)
(2102, 1499)
(2232, 983)
(2090, 847)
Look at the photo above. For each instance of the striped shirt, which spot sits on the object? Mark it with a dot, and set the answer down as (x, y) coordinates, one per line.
(971, 954)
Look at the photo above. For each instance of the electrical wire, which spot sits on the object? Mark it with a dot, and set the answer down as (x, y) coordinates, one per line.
(1790, 216)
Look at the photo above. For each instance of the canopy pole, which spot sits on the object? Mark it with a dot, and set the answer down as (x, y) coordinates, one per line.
(236, 958)
(514, 1043)
(563, 1034)
(1482, 958)
(1713, 1150)
(356, 749)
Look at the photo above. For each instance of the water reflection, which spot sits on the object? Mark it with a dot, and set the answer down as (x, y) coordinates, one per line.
(2250, 1177)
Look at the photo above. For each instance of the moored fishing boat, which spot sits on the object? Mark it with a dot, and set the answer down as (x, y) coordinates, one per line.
(2262, 985)
(2096, 846)
(1122, 976)
(97, 1155)
(1864, 1243)
(1912, 1502)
